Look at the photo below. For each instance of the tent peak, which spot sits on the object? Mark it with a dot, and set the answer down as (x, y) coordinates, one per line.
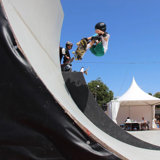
(133, 79)
(135, 93)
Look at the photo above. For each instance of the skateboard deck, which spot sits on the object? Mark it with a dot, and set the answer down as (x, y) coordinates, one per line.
(81, 49)
(67, 63)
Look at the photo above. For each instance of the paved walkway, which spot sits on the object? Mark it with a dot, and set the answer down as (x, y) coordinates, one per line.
(150, 136)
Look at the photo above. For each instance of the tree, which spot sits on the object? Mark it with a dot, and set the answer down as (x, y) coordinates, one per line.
(158, 96)
(102, 93)
(150, 94)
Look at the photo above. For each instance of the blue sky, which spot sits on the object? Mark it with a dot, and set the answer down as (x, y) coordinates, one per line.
(134, 45)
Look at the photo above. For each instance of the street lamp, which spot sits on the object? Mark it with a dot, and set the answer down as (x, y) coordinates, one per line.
(96, 92)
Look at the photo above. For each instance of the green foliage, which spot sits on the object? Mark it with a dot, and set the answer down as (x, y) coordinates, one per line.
(150, 94)
(158, 96)
(103, 94)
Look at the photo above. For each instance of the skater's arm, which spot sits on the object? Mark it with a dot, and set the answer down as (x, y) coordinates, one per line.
(89, 38)
(67, 56)
(106, 37)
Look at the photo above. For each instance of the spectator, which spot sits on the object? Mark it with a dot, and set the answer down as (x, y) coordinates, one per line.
(64, 53)
(155, 122)
(144, 123)
(67, 56)
(158, 121)
(128, 119)
(128, 126)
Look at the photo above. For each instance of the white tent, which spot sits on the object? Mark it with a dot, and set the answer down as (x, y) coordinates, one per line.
(134, 103)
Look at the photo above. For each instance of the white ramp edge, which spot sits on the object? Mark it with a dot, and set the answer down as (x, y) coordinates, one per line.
(36, 25)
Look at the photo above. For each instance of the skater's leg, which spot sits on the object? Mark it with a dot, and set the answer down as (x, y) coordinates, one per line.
(98, 50)
(89, 45)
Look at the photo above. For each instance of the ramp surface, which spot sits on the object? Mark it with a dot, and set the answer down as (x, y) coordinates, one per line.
(25, 18)
(82, 96)
(33, 125)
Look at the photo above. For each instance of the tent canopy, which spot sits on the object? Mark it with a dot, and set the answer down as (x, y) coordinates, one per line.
(133, 100)
(135, 96)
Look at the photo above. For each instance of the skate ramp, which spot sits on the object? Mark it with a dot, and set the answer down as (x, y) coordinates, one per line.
(42, 54)
(82, 96)
(33, 125)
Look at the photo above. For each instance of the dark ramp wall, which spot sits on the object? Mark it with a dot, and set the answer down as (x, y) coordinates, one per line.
(80, 93)
(33, 125)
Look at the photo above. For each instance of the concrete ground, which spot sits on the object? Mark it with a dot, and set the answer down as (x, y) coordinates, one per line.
(150, 136)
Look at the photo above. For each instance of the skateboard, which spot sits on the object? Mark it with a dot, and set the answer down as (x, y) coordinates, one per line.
(67, 63)
(86, 71)
(81, 49)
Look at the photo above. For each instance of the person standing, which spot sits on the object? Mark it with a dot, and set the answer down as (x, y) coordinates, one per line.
(64, 53)
(67, 56)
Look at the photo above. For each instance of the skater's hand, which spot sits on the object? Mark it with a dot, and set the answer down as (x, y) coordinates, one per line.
(66, 56)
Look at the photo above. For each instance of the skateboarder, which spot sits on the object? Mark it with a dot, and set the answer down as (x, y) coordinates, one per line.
(98, 44)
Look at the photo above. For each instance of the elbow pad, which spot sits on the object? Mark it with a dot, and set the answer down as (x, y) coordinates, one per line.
(105, 35)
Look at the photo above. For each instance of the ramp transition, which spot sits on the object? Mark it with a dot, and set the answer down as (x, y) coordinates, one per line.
(33, 125)
(82, 96)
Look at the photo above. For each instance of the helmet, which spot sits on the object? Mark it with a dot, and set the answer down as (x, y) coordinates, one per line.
(69, 43)
(101, 26)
